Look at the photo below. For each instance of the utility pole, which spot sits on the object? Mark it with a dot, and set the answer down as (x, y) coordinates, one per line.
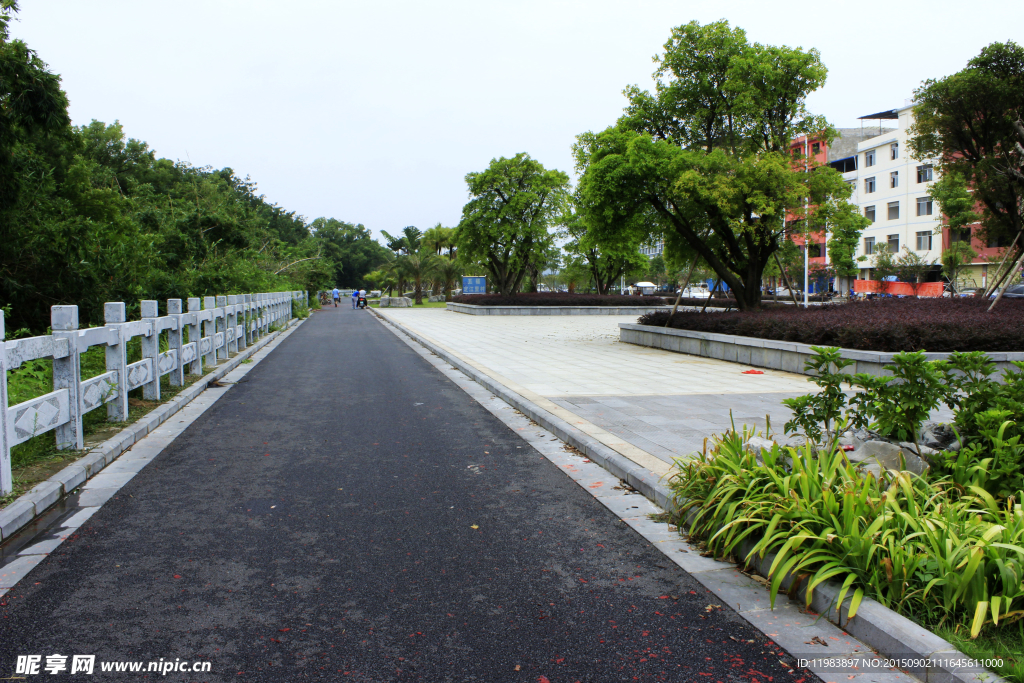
(807, 231)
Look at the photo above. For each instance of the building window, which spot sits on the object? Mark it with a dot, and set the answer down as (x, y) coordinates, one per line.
(869, 245)
(813, 250)
(924, 241)
(996, 242)
(894, 179)
(869, 185)
(894, 210)
(962, 235)
(869, 158)
(894, 244)
(924, 174)
(924, 206)
(816, 148)
(894, 150)
(869, 213)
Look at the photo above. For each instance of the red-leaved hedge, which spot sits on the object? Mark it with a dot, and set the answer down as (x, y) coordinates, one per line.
(880, 325)
(556, 299)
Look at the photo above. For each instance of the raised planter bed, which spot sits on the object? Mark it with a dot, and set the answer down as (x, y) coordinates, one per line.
(769, 353)
(471, 309)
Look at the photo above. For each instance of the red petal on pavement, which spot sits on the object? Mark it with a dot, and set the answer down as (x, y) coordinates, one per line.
(177, 576)
(752, 372)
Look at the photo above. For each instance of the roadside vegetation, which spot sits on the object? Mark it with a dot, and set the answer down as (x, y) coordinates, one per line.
(944, 548)
(90, 215)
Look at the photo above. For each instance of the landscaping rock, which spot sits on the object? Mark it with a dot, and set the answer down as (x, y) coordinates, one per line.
(385, 302)
(400, 302)
(936, 435)
(888, 456)
(758, 444)
(435, 298)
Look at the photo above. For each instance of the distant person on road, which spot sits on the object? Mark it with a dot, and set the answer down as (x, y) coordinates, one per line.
(337, 296)
(355, 298)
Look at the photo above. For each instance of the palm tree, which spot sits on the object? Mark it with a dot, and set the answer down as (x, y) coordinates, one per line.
(415, 267)
(447, 273)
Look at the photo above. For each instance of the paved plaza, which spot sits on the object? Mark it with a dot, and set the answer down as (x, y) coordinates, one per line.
(640, 401)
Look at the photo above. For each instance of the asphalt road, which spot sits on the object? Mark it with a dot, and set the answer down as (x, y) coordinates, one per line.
(347, 513)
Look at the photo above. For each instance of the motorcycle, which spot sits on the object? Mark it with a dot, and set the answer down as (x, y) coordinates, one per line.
(361, 302)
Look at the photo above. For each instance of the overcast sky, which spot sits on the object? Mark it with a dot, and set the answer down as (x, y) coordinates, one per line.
(373, 112)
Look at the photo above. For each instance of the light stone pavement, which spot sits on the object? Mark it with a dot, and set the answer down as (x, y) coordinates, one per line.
(648, 404)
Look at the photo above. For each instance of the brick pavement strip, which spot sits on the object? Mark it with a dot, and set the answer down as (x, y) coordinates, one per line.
(880, 629)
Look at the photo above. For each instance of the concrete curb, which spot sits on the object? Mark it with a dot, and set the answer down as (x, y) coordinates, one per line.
(771, 353)
(476, 309)
(35, 502)
(877, 626)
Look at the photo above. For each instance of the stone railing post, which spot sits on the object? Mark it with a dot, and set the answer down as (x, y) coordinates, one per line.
(259, 314)
(222, 305)
(151, 349)
(194, 335)
(6, 482)
(67, 375)
(247, 318)
(231, 321)
(117, 360)
(174, 342)
(210, 330)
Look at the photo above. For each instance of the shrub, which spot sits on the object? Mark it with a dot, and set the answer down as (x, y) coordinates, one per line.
(557, 299)
(923, 549)
(878, 325)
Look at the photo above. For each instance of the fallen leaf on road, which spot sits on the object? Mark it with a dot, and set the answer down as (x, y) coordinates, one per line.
(473, 526)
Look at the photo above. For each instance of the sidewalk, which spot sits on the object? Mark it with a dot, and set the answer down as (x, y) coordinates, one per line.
(648, 404)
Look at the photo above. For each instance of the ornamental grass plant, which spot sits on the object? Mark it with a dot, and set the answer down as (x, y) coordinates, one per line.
(945, 548)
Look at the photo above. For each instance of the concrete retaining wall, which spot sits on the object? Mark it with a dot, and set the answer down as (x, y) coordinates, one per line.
(473, 309)
(769, 353)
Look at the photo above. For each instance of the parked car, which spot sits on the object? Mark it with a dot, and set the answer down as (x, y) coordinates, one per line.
(1015, 292)
(696, 292)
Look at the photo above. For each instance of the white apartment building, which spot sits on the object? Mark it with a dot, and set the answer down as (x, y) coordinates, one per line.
(892, 190)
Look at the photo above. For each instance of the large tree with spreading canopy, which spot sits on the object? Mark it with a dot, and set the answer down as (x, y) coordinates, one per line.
(708, 152)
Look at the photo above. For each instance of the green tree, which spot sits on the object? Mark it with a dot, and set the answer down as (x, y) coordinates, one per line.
(606, 257)
(349, 252)
(506, 221)
(31, 101)
(708, 151)
(911, 268)
(970, 123)
(955, 259)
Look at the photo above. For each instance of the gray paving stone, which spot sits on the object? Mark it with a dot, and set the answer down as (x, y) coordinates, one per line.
(732, 587)
(79, 518)
(13, 572)
(794, 630)
(96, 497)
(107, 479)
(630, 506)
(43, 546)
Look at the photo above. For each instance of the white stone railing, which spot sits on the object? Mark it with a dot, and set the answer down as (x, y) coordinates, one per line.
(220, 326)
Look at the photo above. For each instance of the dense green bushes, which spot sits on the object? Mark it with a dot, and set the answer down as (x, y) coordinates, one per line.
(88, 216)
(946, 547)
(878, 325)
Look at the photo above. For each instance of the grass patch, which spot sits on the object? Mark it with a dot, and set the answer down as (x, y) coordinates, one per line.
(38, 459)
